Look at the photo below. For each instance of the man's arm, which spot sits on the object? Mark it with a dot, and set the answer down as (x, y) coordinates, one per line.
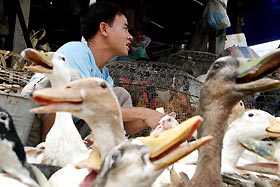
(137, 119)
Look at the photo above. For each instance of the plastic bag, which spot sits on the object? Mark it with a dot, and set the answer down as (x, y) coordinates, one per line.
(215, 16)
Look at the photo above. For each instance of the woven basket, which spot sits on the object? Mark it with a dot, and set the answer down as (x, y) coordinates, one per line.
(11, 76)
(194, 62)
(14, 75)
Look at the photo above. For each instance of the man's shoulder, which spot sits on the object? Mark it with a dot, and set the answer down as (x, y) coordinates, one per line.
(73, 45)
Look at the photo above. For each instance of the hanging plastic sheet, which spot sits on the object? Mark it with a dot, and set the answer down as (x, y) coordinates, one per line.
(215, 16)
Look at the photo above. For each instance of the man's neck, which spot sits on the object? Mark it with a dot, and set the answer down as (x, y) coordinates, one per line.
(101, 54)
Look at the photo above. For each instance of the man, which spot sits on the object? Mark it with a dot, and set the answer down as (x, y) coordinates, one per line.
(105, 29)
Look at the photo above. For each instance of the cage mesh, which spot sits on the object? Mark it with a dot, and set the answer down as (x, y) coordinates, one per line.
(154, 84)
(193, 62)
(268, 101)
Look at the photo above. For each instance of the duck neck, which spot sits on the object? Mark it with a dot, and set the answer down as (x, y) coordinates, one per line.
(208, 169)
(107, 130)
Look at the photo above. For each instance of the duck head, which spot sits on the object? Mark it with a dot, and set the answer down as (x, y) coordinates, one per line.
(253, 123)
(49, 63)
(91, 99)
(81, 97)
(144, 158)
(8, 135)
(41, 62)
(13, 164)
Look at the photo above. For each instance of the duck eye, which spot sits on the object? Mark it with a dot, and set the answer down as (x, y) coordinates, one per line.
(270, 144)
(115, 156)
(103, 85)
(251, 115)
(3, 116)
(63, 58)
(216, 65)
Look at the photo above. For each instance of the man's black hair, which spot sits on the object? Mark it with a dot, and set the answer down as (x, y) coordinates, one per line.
(101, 11)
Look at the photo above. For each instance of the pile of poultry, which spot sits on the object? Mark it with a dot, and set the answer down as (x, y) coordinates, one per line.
(115, 160)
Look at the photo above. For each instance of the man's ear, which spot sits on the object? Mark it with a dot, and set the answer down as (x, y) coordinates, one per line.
(103, 28)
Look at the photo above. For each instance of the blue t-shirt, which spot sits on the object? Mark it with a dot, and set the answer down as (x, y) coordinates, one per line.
(80, 58)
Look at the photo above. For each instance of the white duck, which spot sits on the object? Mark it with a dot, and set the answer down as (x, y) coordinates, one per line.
(15, 171)
(63, 144)
(254, 124)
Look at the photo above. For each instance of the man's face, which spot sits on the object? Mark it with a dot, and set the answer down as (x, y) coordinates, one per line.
(119, 37)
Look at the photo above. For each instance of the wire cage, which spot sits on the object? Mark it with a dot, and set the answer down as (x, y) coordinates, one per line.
(154, 84)
(193, 62)
(268, 101)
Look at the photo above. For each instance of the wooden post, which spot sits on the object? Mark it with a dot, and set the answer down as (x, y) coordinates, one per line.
(19, 42)
(212, 42)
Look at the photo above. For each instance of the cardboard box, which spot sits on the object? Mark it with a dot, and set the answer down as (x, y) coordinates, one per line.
(236, 40)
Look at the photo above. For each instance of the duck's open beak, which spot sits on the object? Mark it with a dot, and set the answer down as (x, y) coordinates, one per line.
(166, 149)
(251, 73)
(41, 61)
(266, 149)
(273, 130)
(253, 69)
(57, 99)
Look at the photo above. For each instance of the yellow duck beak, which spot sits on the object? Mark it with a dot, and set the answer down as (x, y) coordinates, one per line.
(41, 61)
(166, 148)
(274, 128)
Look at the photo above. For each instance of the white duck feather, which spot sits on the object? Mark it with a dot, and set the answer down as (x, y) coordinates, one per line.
(63, 144)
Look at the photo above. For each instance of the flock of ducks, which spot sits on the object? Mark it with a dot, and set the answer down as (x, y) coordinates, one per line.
(115, 160)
